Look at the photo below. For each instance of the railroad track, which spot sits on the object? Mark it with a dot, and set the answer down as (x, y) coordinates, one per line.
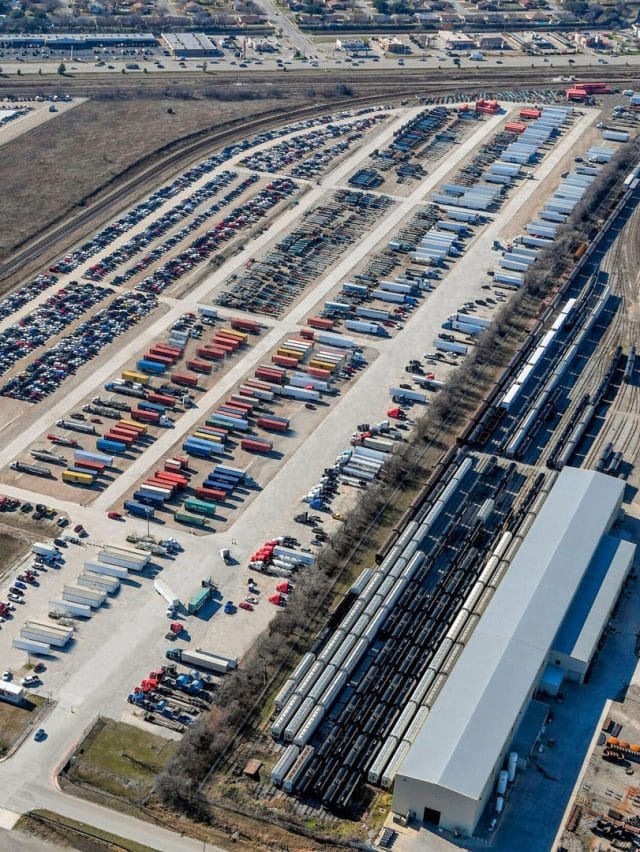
(623, 413)
(123, 189)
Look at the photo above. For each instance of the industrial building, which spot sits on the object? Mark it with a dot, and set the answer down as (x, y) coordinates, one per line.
(190, 45)
(79, 41)
(543, 625)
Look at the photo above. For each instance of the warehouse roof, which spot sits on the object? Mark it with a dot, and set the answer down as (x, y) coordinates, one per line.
(474, 716)
(600, 586)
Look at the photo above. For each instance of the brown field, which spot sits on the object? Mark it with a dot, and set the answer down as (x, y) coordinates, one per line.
(55, 169)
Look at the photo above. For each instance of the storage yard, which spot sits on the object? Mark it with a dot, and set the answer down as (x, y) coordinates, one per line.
(246, 348)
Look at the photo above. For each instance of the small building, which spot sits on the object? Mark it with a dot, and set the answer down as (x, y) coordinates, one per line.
(13, 693)
(190, 45)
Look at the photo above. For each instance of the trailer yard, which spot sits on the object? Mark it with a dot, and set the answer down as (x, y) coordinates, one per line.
(251, 343)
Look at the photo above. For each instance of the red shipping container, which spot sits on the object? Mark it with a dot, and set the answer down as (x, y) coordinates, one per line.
(274, 425)
(162, 476)
(319, 372)
(172, 466)
(529, 112)
(306, 333)
(320, 322)
(159, 359)
(256, 445)
(515, 127)
(245, 325)
(212, 494)
(284, 361)
(145, 416)
(199, 366)
(94, 466)
(212, 353)
(170, 350)
(111, 436)
(184, 379)
(178, 478)
(243, 406)
(162, 399)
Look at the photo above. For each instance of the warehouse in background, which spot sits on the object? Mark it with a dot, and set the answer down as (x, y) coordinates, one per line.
(190, 45)
(543, 625)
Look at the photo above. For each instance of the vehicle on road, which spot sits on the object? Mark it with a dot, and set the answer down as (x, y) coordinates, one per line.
(115, 516)
(40, 735)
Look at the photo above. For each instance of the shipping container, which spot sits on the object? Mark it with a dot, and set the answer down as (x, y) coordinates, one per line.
(115, 447)
(190, 520)
(76, 478)
(133, 376)
(104, 569)
(188, 379)
(256, 445)
(133, 507)
(200, 507)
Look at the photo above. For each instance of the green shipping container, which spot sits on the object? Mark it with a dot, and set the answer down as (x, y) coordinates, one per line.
(200, 507)
(190, 520)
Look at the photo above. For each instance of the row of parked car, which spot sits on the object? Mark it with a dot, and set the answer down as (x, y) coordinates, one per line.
(203, 246)
(154, 201)
(176, 238)
(145, 208)
(291, 151)
(18, 299)
(157, 227)
(44, 375)
(48, 319)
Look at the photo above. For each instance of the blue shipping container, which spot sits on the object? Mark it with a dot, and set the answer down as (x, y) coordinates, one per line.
(114, 447)
(136, 508)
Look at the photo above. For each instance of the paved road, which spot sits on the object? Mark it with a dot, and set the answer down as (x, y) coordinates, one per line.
(279, 20)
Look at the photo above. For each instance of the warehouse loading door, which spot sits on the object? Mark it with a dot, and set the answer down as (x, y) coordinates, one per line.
(432, 816)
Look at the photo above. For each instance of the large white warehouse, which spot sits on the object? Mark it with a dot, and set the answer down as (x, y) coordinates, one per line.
(542, 626)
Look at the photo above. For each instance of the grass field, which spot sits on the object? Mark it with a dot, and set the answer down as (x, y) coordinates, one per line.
(13, 720)
(62, 832)
(121, 760)
(10, 549)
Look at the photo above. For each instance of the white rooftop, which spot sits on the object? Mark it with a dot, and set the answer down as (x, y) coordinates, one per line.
(474, 716)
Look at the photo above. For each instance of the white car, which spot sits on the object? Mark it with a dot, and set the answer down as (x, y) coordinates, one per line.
(29, 680)
(7, 675)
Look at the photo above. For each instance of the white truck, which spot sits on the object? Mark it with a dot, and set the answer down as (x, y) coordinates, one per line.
(41, 548)
(168, 594)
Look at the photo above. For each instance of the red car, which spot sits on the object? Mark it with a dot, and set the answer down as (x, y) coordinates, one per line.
(115, 516)
(78, 528)
(245, 605)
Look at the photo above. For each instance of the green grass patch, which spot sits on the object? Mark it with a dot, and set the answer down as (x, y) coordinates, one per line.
(14, 719)
(120, 759)
(61, 831)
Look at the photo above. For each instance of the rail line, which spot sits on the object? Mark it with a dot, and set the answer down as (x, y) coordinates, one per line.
(129, 185)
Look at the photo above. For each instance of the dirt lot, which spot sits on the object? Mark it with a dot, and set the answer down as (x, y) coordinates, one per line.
(63, 833)
(13, 720)
(11, 548)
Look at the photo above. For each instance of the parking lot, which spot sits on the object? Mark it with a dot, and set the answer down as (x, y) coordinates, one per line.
(355, 227)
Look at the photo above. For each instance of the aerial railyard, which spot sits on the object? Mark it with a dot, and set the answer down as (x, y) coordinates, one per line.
(197, 395)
